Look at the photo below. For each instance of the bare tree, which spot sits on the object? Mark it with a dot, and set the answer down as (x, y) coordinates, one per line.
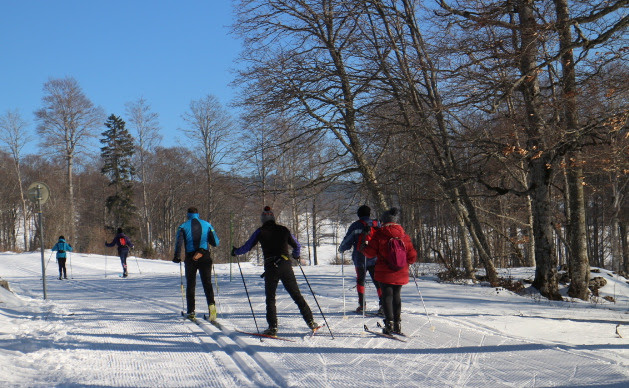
(14, 135)
(304, 62)
(208, 127)
(67, 120)
(145, 124)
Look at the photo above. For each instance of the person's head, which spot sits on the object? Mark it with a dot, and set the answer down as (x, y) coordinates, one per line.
(193, 210)
(391, 215)
(119, 230)
(267, 215)
(364, 211)
(61, 238)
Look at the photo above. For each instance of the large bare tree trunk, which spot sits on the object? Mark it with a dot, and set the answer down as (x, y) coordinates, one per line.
(579, 263)
(540, 162)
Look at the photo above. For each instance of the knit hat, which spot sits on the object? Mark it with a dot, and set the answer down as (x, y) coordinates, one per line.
(192, 210)
(391, 215)
(267, 215)
(61, 238)
(119, 230)
(364, 211)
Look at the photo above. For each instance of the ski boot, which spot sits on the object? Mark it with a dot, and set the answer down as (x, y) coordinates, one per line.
(397, 327)
(313, 325)
(191, 316)
(388, 327)
(272, 331)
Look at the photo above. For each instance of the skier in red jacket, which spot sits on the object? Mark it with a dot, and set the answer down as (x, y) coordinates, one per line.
(390, 280)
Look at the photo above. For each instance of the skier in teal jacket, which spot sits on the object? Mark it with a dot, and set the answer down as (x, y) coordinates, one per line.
(62, 247)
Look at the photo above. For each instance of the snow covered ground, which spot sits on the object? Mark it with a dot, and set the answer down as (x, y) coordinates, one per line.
(102, 331)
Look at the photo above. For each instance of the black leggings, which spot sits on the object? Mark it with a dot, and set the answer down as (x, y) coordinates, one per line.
(284, 272)
(204, 266)
(62, 267)
(392, 301)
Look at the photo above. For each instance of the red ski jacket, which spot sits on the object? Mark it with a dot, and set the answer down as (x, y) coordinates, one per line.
(378, 246)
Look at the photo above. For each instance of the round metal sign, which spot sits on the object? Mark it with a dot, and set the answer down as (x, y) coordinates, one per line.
(38, 192)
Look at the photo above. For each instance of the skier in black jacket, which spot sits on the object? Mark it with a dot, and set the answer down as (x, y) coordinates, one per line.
(275, 240)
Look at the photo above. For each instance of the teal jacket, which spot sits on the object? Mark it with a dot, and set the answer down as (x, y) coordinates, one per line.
(62, 247)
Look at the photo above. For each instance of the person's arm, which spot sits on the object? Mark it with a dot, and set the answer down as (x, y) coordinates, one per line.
(372, 247)
(111, 244)
(292, 241)
(350, 238)
(68, 247)
(212, 237)
(411, 253)
(179, 242)
(253, 240)
(54, 248)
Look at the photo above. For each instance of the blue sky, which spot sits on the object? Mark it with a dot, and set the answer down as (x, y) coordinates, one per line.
(169, 52)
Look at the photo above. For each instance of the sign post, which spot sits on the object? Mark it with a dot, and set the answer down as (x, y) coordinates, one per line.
(38, 192)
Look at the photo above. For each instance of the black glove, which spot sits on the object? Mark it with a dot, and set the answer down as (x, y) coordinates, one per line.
(233, 251)
(176, 260)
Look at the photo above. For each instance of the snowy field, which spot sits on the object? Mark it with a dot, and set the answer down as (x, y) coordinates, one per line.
(106, 331)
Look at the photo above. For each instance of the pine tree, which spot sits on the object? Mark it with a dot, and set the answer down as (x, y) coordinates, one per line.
(117, 154)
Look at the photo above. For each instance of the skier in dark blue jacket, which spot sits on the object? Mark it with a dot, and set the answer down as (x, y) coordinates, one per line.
(362, 264)
(62, 247)
(195, 237)
(124, 243)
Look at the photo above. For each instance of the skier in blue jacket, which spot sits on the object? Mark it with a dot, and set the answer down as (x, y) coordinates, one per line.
(362, 264)
(195, 236)
(124, 243)
(62, 247)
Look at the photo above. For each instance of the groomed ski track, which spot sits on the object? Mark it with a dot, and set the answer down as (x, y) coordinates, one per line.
(135, 326)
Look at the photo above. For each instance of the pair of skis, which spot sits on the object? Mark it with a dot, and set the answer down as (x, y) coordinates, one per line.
(312, 333)
(220, 327)
(397, 337)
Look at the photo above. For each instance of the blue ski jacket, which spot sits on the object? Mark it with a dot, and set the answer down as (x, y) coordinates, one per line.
(195, 234)
(351, 240)
(62, 247)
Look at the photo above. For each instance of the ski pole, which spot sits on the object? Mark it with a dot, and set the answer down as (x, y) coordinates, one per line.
(181, 280)
(315, 298)
(364, 296)
(432, 327)
(138, 264)
(70, 259)
(218, 294)
(343, 276)
(248, 298)
(105, 266)
(49, 257)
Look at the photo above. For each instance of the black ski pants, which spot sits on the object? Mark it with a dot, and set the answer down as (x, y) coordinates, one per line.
(392, 302)
(61, 261)
(204, 267)
(277, 270)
